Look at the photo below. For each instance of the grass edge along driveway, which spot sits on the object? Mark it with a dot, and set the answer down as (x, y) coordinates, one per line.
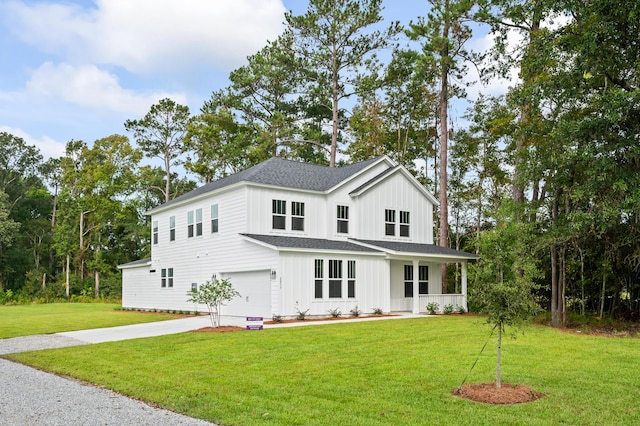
(47, 318)
(397, 372)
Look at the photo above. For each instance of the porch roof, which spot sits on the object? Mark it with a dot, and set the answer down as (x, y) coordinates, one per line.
(286, 242)
(402, 248)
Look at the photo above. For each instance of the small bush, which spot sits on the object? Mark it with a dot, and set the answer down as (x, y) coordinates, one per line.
(447, 310)
(335, 313)
(276, 318)
(301, 314)
(460, 309)
(377, 311)
(433, 308)
(355, 311)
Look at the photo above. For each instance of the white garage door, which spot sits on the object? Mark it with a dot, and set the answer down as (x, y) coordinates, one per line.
(255, 294)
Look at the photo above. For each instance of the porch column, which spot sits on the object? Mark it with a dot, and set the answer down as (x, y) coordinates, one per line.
(464, 283)
(416, 288)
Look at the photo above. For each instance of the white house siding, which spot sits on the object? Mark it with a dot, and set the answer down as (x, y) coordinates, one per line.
(298, 284)
(397, 193)
(259, 219)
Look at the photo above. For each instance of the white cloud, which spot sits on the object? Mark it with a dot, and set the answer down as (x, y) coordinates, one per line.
(48, 147)
(89, 86)
(145, 36)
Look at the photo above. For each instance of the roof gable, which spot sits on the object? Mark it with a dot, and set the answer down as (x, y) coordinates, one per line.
(386, 175)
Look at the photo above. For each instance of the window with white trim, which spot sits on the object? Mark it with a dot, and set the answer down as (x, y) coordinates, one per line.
(342, 216)
(318, 275)
(404, 224)
(351, 279)
(423, 279)
(297, 216)
(155, 232)
(389, 222)
(190, 223)
(166, 278)
(214, 218)
(408, 280)
(279, 210)
(198, 222)
(335, 278)
(172, 228)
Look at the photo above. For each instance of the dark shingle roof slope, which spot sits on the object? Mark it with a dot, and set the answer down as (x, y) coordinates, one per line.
(400, 246)
(284, 173)
(140, 262)
(309, 243)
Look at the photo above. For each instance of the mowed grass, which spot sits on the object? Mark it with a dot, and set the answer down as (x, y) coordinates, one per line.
(24, 320)
(396, 372)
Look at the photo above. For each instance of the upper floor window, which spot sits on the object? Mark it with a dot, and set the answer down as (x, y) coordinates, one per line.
(155, 232)
(279, 210)
(297, 216)
(190, 223)
(214, 218)
(404, 224)
(172, 228)
(335, 278)
(343, 219)
(389, 222)
(199, 222)
(318, 275)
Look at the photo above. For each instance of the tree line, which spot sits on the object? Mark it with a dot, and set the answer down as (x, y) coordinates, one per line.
(542, 182)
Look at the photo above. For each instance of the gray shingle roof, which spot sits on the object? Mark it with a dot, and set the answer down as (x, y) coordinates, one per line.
(140, 262)
(309, 243)
(284, 173)
(400, 246)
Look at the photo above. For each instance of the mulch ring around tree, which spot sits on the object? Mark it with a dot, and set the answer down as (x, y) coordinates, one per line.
(489, 394)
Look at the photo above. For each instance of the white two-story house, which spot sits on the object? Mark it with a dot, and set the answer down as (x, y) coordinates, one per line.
(293, 237)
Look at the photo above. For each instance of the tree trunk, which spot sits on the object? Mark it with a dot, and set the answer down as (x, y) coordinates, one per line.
(67, 276)
(499, 363)
(443, 105)
(604, 283)
(334, 111)
(96, 293)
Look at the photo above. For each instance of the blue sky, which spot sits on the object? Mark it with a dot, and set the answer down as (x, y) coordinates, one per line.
(79, 69)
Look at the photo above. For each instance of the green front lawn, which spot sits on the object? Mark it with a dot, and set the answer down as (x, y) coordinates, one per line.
(396, 372)
(24, 320)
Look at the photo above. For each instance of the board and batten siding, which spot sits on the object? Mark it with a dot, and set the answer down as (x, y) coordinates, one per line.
(259, 216)
(297, 283)
(396, 193)
(398, 301)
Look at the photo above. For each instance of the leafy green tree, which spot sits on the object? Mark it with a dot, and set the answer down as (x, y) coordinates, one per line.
(214, 294)
(160, 134)
(504, 282)
(336, 43)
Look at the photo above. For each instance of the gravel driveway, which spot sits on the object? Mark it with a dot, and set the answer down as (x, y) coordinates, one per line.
(33, 397)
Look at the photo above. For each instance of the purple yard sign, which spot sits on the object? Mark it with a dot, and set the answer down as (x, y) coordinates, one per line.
(255, 323)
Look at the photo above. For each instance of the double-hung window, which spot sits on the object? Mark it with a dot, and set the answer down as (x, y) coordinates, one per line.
(423, 279)
(297, 216)
(408, 280)
(214, 218)
(318, 275)
(199, 222)
(190, 223)
(166, 277)
(279, 210)
(172, 228)
(404, 224)
(351, 278)
(335, 278)
(389, 222)
(155, 232)
(343, 219)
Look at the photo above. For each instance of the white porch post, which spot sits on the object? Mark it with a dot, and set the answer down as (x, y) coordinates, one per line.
(464, 283)
(416, 288)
